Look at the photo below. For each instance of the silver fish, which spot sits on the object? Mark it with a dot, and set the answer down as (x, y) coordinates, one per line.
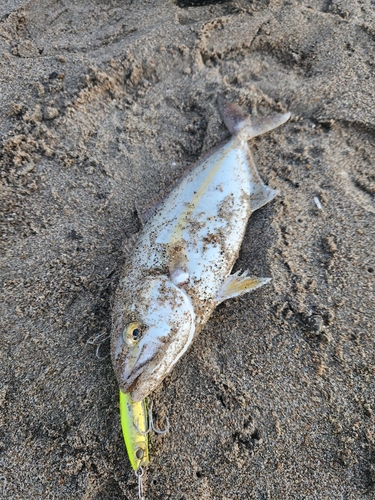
(179, 270)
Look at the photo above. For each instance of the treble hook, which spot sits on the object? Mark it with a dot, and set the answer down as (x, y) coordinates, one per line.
(151, 426)
(139, 473)
(99, 340)
(151, 423)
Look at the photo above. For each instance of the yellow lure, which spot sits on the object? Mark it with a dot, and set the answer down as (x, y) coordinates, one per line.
(134, 423)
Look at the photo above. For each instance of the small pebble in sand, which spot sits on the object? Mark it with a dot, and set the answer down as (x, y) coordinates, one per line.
(50, 113)
(317, 203)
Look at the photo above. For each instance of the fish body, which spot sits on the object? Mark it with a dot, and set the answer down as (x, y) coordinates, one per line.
(179, 270)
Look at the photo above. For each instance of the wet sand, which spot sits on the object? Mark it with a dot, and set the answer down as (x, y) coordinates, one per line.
(104, 105)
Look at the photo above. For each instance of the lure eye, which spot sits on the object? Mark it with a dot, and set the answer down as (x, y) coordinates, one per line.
(132, 333)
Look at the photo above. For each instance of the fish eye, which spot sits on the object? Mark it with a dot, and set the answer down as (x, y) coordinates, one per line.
(132, 333)
(136, 333)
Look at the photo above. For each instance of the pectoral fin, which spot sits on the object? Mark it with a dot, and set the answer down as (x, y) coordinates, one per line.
(237, 284)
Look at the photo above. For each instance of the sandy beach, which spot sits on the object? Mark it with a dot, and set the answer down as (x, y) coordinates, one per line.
(104, 105)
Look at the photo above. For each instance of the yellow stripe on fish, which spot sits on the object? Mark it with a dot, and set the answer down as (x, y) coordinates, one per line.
(177, 233)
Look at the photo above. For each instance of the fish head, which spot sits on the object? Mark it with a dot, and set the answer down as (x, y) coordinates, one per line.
(153, 330)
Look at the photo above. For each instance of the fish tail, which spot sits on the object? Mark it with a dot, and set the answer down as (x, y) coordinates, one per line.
(239, 122)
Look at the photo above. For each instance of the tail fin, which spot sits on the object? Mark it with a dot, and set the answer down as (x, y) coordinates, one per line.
(237, 121)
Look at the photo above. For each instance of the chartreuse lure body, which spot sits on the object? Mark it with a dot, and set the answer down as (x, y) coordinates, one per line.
(134, 423)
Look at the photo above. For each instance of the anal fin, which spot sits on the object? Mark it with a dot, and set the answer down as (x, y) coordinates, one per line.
(237, 284)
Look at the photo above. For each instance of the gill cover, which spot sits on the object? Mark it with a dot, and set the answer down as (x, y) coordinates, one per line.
(156, 328)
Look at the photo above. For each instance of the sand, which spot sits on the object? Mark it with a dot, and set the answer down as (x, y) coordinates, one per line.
(104, 105)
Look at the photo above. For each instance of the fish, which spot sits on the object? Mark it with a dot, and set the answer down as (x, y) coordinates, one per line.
(180, 265)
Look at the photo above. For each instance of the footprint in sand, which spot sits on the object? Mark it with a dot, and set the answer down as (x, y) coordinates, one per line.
(358, 194)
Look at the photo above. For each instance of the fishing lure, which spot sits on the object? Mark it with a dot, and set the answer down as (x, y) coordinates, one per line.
(134, 424)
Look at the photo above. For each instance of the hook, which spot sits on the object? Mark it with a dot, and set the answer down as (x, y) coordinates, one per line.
(151, 426)
(157, 431)
(99, 340)
(139, 474)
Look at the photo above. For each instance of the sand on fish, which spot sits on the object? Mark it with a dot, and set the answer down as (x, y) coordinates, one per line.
(103, 106)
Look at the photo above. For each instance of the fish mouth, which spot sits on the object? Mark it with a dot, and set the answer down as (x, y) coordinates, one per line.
(135, 367)
(136, 385)
(132, 386)
(131, 377)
